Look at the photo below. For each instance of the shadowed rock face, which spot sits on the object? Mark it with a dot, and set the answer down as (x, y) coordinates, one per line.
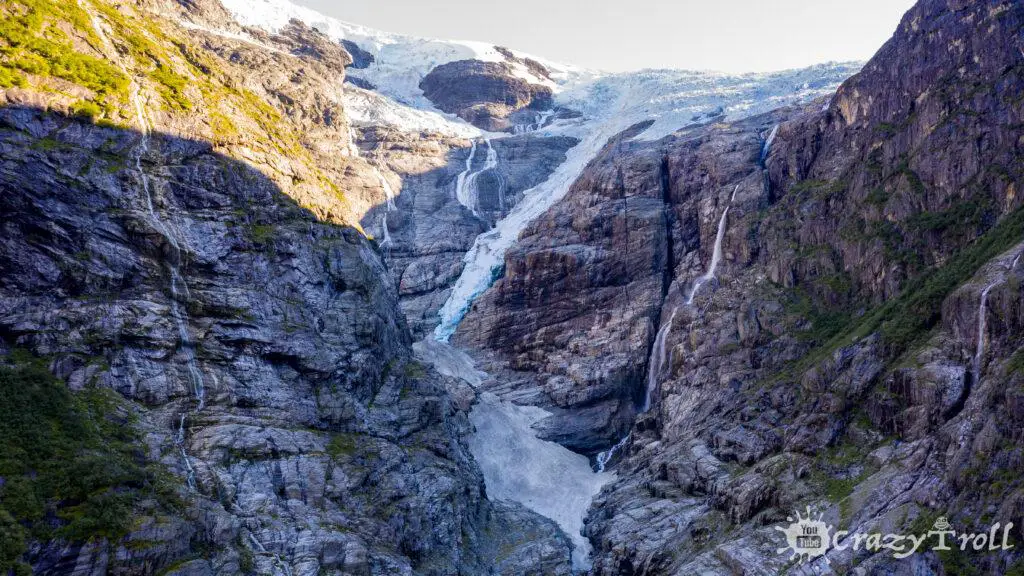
(430, 231)
(320, 443)
(858, 349)
(835, 360)
(360, 58)
(483, 93)
(257, 344)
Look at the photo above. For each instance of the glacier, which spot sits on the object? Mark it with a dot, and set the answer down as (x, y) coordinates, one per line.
(518, 466)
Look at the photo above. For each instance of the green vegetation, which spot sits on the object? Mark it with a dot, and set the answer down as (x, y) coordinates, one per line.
(823, 323)
(414, 370)
(906, 319)
(261, 234)
(70, 463)
(1016, 363)
(342, 444)
(45, 44)
(34, 42)
(818, 189)
(150, 58)
(963, 216)
(877, 197)
(832, 474)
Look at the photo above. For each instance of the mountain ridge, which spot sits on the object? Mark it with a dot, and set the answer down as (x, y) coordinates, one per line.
(738, 295)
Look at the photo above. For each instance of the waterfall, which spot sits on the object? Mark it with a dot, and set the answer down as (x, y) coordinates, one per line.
(716, 253)
(389, 192)
(979, 352)
(179, 288)
(657, 362)
(541, 121)
(544, 476)
(466, 189)
(605, 457)
(281, 564)
(387, 232)
(488, 251)
(460, 182)
(179, 441)
(768, 144)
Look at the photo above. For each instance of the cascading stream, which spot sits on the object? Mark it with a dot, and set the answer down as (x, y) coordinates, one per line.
(979, 351)
(768, 144)
(716, 253)
(281, 564)
(389, 191)
(467, 191)
(179, 288)
(460, 182)
(542, 120)
(659, 351)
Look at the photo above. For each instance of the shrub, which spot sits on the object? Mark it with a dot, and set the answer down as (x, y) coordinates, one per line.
(70, 462)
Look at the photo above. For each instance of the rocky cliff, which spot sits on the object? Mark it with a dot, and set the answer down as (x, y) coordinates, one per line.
(851, 343)
(487, 94)
(216, 256)
(179, 202)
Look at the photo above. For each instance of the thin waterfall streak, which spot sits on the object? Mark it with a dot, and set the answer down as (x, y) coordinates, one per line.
(389, 192)
(466, 187)
(656, 364)
(179, 288)
(460, 182)
(716, 253)
(179, 441)
(387, 232)
(285, 568)
(605, 457)
(768, 144)
(979, 350)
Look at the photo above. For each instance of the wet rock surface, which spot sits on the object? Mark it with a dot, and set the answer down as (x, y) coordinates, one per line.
(834, 359)
(429, 229)
(320, 444)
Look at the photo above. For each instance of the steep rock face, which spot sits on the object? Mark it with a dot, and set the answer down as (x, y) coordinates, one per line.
(930, 126)
(360, 58)
(483, 93)
(429, 229)
(260, 347)
(575, 309)
(861, 237)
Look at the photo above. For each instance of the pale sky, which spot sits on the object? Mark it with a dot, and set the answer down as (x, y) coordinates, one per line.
(616, 35)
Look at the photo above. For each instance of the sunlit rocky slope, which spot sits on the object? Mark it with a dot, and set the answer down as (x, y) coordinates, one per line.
(236, 237)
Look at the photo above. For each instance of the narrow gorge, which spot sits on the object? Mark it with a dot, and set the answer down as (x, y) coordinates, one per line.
(287, 295)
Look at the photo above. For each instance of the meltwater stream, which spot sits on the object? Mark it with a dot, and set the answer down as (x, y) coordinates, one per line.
(179, 288)
(979, 352)
(659, 351)
(467, 191)
(544, 476)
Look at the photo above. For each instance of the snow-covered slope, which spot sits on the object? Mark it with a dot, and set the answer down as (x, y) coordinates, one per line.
(609, 103)
(400, 61)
